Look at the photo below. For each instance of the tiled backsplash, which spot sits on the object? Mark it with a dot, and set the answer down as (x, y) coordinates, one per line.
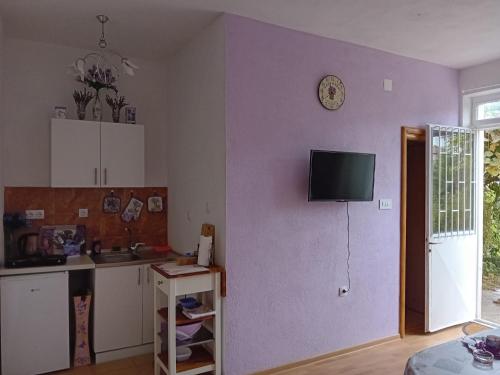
(61, 207)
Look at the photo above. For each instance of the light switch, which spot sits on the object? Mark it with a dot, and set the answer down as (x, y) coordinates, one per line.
(387, 84)
(385, 204)
(83, 212)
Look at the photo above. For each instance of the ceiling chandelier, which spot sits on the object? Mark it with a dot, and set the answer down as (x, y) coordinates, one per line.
(99, 66)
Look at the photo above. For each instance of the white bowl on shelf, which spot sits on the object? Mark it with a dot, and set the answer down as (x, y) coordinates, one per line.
(183, 353)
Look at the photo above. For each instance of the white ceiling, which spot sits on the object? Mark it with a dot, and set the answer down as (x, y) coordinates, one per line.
(455, 33)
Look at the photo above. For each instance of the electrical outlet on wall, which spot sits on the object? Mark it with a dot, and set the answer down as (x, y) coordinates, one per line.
(35, 214)
(83, 212)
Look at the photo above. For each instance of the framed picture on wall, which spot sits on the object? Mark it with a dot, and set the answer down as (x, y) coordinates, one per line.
(155, 204)
(133, 210)
(130, 115)
(111, 204)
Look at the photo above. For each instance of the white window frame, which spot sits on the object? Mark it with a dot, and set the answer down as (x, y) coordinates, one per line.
(477, 101)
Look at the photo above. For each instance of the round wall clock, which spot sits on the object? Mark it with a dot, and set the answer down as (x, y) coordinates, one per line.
(331, 92)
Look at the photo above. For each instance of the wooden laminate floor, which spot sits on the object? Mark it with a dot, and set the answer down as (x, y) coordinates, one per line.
(385, 359)
(140, 365)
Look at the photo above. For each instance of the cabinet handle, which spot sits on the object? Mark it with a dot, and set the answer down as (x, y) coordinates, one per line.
(139, 276)
(147, 275)
(160, 282)
(95, 176)
(105, 176)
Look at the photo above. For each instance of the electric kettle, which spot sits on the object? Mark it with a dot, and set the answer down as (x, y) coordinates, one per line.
(27, 244)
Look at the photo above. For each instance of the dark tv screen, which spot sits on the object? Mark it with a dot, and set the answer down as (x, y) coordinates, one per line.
(341, 176)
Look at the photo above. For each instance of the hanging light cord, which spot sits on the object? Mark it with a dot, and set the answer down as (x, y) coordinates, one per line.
(348, 250)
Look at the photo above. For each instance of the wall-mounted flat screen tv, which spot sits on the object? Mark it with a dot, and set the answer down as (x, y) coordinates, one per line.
(341, 176)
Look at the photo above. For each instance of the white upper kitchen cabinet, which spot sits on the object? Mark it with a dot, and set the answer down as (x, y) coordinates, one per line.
(75, 153)
(94, 154)
(122, 155)
(147, 305)
(117, 307)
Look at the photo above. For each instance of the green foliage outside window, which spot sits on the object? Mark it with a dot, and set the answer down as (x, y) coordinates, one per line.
(491, 210)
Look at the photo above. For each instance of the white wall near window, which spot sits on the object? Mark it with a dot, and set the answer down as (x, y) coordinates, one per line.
(475, 82)
(196, 140)
(480, 76)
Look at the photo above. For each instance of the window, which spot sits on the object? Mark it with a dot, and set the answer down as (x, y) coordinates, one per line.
(486, 110)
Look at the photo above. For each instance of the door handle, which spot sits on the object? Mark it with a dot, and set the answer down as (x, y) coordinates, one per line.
(432, 243)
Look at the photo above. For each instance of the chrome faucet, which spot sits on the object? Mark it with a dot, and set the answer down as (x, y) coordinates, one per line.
(133, 247)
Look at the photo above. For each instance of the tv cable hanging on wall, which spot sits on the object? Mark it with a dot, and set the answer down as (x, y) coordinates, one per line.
(343, 291)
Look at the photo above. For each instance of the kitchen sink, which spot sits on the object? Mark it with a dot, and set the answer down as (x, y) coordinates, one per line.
(145, 254)
(115, 258)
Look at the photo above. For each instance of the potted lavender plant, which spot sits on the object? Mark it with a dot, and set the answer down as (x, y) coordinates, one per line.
(116, 105)
(98, 79)
(82, 99)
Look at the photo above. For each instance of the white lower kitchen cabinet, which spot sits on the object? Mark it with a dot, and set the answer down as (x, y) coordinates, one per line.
(147, 305)
(35, 323)
(117, 308)
(123, 309)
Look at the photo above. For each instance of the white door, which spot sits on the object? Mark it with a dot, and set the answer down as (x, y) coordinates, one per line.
(34, 323)
(122, 155)
(147, 305)
(452, 256)
(117, 308)
(75, 153)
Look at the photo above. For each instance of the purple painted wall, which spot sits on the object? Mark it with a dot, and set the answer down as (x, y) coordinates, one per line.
(286, 258)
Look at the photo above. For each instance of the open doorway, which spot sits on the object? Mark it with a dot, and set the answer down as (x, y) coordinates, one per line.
(445, 195)
(413, 243)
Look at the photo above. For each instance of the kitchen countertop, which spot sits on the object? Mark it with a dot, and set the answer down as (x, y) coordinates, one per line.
(85, 262)
(82, 262)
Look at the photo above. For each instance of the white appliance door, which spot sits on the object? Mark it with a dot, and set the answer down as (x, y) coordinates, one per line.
(452, 251)
(35, 323)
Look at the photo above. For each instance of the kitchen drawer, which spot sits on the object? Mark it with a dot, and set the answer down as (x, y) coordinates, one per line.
(187, 285)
